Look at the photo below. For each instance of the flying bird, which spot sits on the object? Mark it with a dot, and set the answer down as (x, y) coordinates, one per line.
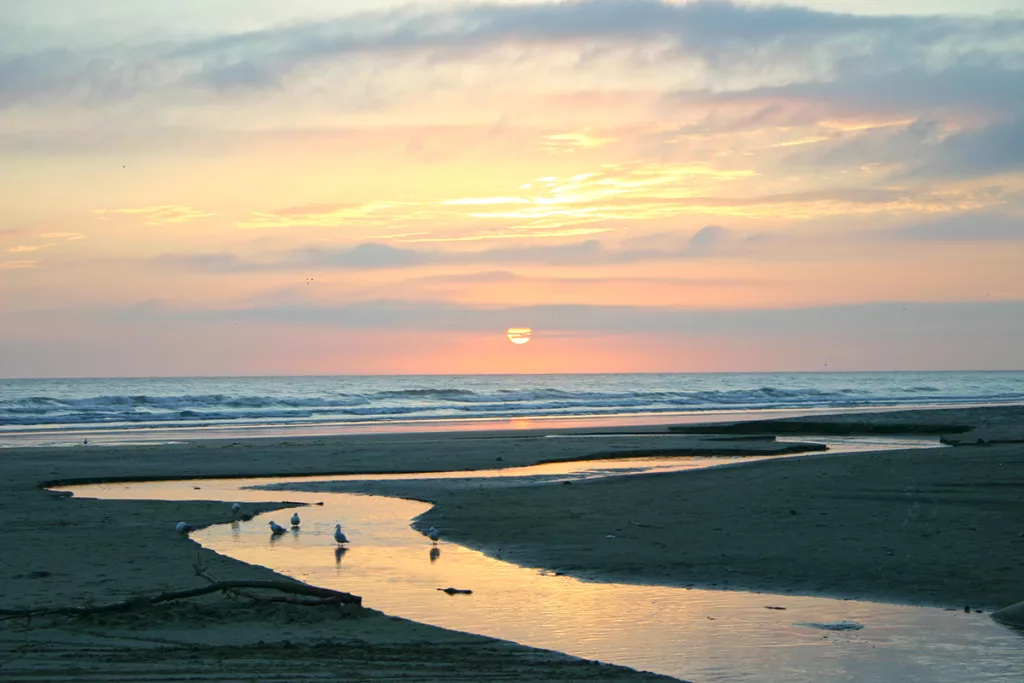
(235, 508)
(339, 535)
(276, 528)
(433, 534)
(295, 519)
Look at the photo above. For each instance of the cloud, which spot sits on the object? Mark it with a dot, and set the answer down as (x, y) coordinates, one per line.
(990, 150)
(374, 255)
(989, 86)
(329, 215)
(726, 38)
(898, 320)
(721, 34)
(968, 227)
(17, 265)
(366, 256)
(66, 236)
(484, 277)
(155, 215)
(570, 142)
(24, 248)
(505, 277)
(708, 237)
(924, 149)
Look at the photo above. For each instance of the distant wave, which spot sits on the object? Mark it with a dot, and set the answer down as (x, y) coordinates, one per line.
(493, 400)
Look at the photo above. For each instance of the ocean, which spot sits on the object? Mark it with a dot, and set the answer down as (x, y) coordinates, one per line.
(67, 411)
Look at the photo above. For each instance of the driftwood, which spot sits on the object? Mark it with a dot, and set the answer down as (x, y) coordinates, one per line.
(320, 596)
(238, 587)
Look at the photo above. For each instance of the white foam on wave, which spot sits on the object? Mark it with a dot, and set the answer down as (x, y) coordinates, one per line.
(243, 401)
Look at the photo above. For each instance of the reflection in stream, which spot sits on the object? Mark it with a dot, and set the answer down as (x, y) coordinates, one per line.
(699, 635)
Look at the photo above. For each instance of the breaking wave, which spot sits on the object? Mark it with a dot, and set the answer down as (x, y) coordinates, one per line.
(55, 404)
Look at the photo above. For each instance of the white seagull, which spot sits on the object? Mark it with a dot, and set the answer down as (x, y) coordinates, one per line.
(183, 527)
(295, 519)
(276, 528)
(235, 508)
(433, 534)
(339, 535)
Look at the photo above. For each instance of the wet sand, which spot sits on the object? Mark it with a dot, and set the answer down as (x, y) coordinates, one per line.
(941, 526)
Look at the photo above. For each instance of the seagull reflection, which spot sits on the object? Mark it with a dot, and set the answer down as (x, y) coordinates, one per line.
(435, 553)
(339, 553)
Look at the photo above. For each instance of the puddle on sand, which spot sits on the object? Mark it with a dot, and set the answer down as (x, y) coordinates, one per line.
(698, 635)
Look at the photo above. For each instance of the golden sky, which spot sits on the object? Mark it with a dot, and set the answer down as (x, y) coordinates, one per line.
(322, 187)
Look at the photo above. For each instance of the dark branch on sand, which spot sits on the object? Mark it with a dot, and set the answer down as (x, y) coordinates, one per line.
(320, 596)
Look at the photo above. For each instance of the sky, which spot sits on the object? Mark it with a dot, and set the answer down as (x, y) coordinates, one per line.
(225, 187)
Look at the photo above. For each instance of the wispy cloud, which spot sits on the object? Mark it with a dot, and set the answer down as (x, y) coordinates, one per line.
(570, 142)
(905, 321)
(155, 215)
(366, 214)
(17, 265)
(729, 39)
(967, 227)
(66, 236)
(24, 248)
(704, 242)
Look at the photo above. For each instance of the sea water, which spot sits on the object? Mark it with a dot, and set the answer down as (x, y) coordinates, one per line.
(48, 411)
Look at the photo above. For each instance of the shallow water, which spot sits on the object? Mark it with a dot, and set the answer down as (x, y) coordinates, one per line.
(694, 634)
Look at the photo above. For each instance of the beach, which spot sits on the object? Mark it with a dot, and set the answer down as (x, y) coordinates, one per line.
(938, 526)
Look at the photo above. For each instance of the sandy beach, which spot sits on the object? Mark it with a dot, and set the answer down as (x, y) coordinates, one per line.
(937, 526)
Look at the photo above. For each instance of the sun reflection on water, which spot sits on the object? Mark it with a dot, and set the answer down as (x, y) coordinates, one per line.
(694, 634)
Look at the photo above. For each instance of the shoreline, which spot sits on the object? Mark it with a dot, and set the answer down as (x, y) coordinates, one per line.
(73, 550)
(159, 435)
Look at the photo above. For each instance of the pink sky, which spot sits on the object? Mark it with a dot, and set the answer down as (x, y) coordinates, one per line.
(330, 187)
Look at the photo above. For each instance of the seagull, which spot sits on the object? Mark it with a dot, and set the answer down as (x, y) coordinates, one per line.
(433, 534)
(339, 535)
(236, 508)
(183, 527)
(276, 528)
(295, 519)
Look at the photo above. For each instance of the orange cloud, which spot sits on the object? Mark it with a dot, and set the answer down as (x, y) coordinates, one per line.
(23, 248)
(328, 215)
(157, 215)
(569, 142)
(66, 236)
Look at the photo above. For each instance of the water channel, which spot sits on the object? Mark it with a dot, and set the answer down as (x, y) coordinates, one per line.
(692, 633)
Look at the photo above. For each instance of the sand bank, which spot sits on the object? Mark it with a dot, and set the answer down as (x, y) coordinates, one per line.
(940, 526)
(66, 551)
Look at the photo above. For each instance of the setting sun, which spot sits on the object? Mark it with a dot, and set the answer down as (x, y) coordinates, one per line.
(519, 335)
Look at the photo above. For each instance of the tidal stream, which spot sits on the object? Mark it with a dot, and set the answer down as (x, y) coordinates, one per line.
(696, 634)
